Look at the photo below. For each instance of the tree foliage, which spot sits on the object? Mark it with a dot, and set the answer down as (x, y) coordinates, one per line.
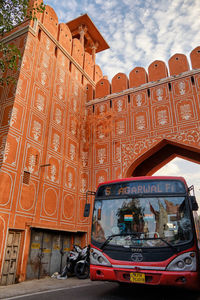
(10, 56)
(12, 13)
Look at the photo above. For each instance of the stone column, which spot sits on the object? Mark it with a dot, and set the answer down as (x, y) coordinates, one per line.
(94, 47)
(82, 31)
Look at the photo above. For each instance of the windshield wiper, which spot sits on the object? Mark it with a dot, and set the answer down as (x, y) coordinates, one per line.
(142, 239)
(119, 234)
(169, 244)
(107, 241)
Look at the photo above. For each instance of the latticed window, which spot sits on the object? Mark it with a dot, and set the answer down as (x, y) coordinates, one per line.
(26, 177)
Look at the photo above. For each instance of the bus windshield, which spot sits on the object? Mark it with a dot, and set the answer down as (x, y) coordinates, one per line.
(142, 221)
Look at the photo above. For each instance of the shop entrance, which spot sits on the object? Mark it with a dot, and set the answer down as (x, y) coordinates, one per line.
(48, 252)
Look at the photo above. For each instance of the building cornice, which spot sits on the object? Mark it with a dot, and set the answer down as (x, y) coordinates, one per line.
(18, 33)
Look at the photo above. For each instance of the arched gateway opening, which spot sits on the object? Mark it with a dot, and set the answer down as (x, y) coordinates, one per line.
(160, 155)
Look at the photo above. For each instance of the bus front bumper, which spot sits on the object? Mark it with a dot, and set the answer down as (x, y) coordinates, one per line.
(189, 280)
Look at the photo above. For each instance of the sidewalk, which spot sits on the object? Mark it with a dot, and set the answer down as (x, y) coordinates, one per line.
(45, 284)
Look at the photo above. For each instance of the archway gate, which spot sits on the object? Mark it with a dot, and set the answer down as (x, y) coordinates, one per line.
(138, 130)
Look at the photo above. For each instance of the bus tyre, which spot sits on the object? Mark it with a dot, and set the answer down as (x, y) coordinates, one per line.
(82, 270)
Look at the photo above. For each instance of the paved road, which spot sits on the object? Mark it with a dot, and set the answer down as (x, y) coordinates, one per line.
(108, 291)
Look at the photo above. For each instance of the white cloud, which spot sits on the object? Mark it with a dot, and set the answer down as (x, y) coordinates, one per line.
(171, 168)
(184, 168)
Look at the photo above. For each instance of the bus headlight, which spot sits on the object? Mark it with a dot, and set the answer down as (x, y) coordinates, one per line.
(97, 258)
(183, 262)
(180, 264)
(188, 261)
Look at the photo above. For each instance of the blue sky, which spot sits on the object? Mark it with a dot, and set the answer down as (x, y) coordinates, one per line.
(139, 32)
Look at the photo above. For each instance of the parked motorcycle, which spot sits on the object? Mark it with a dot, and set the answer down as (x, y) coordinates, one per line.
(72, 258)
(77, 263)
(82, 267)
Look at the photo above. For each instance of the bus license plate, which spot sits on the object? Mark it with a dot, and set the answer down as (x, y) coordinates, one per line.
(137, 277)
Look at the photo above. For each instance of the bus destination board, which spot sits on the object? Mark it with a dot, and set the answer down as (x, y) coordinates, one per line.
(142, 187)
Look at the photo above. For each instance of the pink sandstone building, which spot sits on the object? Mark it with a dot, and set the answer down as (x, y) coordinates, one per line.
(64, 128)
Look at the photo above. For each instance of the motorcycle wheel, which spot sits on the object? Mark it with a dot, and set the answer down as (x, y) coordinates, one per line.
(82, 270)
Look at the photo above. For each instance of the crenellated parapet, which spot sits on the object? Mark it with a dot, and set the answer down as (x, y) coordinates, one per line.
(157, 72)
(65, 37)
(98, 74)
(195, 58)
(78, 52)
(103, 88)
(119, 82)
(178, 64)
(137, 77)
(50, 21)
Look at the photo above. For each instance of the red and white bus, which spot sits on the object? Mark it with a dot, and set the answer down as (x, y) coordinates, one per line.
(146, 230)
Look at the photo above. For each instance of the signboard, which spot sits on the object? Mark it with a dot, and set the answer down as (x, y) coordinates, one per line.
(147, 187)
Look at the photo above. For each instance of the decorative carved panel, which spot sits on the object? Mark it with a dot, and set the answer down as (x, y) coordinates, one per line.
(101, 151)
(159, 93)
(185, 110)
(72, 150)
(181, 87)
(43, 77)
(39, 100)
(161, 116)
(53, 170)
(140, 120)
(68, 207)
(28, 197)
(9, 149)
(120, 126)
(83, 182)
(101, 176)
(138, 99)
(36, 129)
(33, 159)
(6, 190)
(70, 177)
(56, 140)
(50, 202)
(120, 104)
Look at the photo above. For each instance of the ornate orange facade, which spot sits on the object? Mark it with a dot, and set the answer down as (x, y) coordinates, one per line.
(65, 129)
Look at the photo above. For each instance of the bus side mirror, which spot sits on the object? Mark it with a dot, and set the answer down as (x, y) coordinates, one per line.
(194, 203)
(87, 210)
